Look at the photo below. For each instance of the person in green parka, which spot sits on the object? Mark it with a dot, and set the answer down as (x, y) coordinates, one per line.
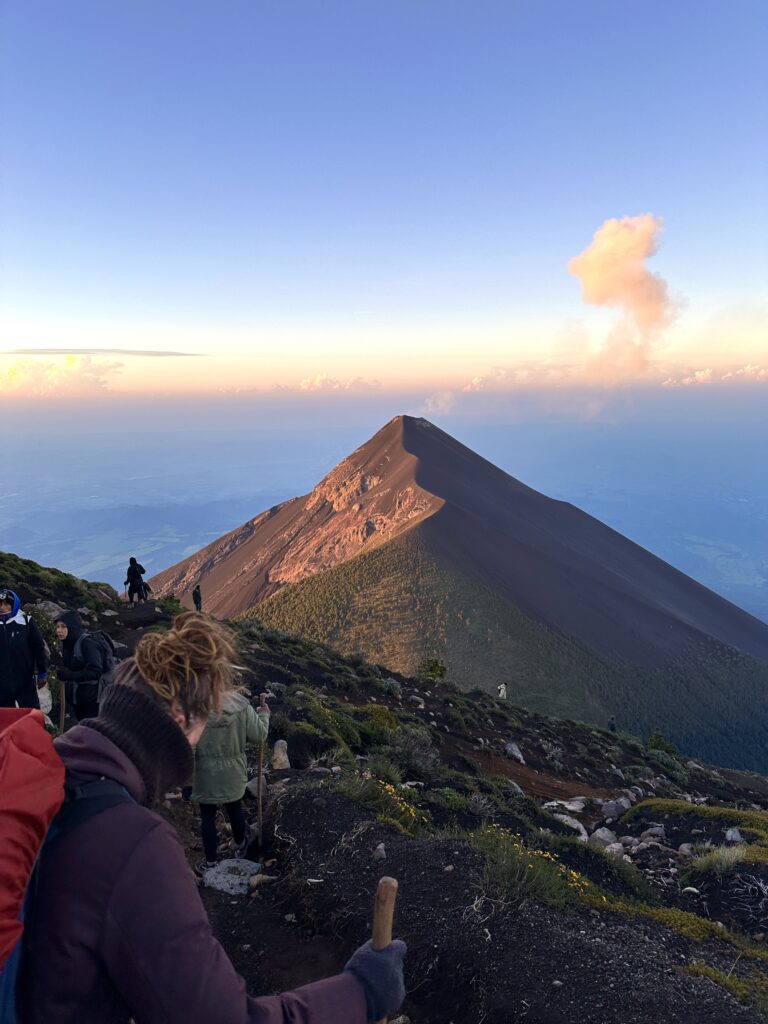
(221, 772)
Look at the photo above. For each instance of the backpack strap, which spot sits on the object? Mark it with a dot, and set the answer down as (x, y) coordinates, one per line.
(81, 803)
(84, 802)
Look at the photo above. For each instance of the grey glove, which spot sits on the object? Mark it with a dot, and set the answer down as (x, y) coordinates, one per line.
(380, 972)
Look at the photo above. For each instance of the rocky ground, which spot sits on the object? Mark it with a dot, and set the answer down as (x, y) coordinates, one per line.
(647, 902)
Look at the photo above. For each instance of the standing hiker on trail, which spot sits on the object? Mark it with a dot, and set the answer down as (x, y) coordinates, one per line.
(23, 660)
(197, 597)
(134, 582)
(116, 929)
(88, 664)
(612, 724)
(221, 772)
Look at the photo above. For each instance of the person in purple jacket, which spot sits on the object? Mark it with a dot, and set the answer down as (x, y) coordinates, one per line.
(116, 931)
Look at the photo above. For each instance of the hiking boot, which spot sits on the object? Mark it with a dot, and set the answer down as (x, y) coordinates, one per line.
(242, 848)
(202, 866)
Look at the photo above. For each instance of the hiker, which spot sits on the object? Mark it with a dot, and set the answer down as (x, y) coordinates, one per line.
(88, 663)
(134, 582)
(502, 691)
(612, 724)
(116, 929)
(23, 658)
(221, 772)
(197, 597)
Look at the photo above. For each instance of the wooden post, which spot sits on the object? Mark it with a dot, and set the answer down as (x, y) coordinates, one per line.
(383, 912)
(62, 704)
(260, 787)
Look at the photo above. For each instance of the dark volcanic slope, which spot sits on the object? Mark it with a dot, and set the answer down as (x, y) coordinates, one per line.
(557, 564)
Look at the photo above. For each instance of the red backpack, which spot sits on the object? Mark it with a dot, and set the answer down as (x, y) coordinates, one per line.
(31, 793)
(35, 811)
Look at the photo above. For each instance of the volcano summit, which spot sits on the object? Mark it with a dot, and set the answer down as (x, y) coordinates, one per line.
(416, 546)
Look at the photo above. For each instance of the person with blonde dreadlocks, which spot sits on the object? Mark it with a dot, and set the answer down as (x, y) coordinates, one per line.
(115, 915)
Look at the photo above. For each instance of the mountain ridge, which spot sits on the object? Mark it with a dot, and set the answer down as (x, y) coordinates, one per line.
(552, 560)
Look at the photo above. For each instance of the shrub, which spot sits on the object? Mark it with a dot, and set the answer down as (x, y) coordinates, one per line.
(391, 687)
(668, 764)
(522, 873)
(387, 802)
(658, 742)
(412, 750)
(719, 861)
(431, 669)
(382, 768)
(171, 605)
(449, 799)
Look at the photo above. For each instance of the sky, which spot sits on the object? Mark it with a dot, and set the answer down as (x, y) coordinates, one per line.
(440, 199)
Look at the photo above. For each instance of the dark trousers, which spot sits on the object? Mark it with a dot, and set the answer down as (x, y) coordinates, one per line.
(86, 709)
(236, 817)
(26, 697)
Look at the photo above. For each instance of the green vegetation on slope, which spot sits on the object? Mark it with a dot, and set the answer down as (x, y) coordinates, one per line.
(33, 582)
(399, 604)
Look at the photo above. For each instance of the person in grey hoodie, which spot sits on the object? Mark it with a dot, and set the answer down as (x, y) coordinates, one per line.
(116, 931)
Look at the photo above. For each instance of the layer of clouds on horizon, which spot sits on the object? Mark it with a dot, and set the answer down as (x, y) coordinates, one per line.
(613, 274)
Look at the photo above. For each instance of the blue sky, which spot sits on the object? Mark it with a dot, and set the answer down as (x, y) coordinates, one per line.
(300, 179)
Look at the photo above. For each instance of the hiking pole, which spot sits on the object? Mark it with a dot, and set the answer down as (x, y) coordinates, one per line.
(262, 703)
(383, 912)
(62, 704)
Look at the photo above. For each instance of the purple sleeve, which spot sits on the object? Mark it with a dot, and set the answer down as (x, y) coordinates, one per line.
(162, 956)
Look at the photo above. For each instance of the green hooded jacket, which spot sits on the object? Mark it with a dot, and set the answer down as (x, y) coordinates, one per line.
(221, 769)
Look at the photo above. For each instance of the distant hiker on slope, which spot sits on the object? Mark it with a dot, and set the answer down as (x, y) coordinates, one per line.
(134, 582)
(197, 597)
(88, 664)
(116, 929)
(221, 772)
(612, 724)
(23, 661)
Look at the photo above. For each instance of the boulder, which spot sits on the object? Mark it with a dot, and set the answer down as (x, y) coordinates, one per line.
(602, 837)
(733, 835)
(231, 876)
(517, 790)
(615, 849)
(50, 608)
(512, 750)
(615, 808)
(654, 832)
(252, 787)
(566, 819)
(685, 849)
(280, 756)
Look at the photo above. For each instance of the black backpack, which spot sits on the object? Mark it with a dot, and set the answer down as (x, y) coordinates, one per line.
(106, 647)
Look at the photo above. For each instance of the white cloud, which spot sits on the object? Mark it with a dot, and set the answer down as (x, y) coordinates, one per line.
(745, 374)
(73, 374)
(613, 272)
(439, 404)
(322, 382)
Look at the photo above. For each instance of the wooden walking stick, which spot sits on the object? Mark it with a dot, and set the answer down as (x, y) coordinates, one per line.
(62, 704)
(383, 912)
(260, 787)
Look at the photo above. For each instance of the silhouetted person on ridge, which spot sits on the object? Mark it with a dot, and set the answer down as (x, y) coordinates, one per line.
(197, 597)
(612, 724)
(134, 582)
(23, 661)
